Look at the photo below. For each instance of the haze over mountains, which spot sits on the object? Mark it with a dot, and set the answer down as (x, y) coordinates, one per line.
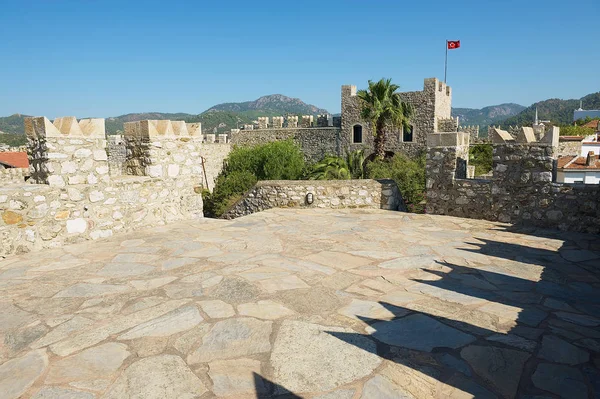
(222, 117)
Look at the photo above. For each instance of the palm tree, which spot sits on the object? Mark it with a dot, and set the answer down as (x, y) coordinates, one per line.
(330, 168)
(355, 161)
(382, 106)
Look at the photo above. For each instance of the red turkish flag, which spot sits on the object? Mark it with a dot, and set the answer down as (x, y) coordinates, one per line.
(453, 44)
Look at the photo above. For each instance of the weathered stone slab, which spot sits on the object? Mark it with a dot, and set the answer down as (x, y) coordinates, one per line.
(382, 388)
(62, 331)
(233, 378)
(514, 340)
(410, 262)
(125, 269)
(582, 320)
(560, 351)
(217, 309)
(338, 260)
(567, 382)
(362, 310)
(267, 310)
(17, 375)
(282, 284)
(419, 332)
(157, 377)
(502, 368)
(12, 317)
(350, 356)
(233, 338)
(62, 393)
(86, 290)
(99, 362)
(171, 323)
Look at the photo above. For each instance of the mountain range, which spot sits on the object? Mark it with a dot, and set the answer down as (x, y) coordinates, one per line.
(222, 117)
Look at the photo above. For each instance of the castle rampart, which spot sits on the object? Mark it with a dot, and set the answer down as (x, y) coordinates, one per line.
(522, 188)
(78, 191)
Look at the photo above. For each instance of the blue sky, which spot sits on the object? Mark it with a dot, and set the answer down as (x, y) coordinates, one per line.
(106, 58)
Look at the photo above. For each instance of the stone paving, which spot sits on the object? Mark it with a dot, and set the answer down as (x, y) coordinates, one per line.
(306, 304)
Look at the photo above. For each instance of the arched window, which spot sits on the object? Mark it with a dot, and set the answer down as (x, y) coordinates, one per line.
(407, 134)
(357, 134)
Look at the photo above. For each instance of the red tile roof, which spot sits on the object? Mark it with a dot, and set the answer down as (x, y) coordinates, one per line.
(14, 159)
(572, 162)
(592, 124)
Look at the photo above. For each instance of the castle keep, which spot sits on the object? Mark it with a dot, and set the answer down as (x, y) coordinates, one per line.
(338, 135)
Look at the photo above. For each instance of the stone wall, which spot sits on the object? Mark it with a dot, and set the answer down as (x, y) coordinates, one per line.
(314, 142)
(373, 194)
(568, 146)
(213, 156)
(11, 176)
(117, 154)
(42, 216)
(521, 190)
(76, 198)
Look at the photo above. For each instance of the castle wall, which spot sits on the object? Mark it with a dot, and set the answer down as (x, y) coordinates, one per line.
(80, 200)
(521, 190)
(117, 154)
(336, 194)
(11, 176)
(214, 155)
(314, 142)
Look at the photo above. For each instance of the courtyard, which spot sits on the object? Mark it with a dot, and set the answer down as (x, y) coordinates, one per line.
(328, 304)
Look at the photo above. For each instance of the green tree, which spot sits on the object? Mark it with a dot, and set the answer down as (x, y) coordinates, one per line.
(383, 107)
(480, 156)
(408, 174)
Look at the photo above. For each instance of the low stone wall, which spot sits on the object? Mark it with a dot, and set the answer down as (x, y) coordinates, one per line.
(314, 142)
(11, 176)
(520, 191)
(373, 194)
(36, 216)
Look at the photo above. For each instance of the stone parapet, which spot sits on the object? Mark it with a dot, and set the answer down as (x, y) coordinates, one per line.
(34, 217)
(372, 194)
(13, 176)
(521, 189)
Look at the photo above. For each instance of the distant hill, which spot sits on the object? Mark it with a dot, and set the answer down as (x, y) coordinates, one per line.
(486, 116)
(12, 124)
(559, 112)
(276, 104)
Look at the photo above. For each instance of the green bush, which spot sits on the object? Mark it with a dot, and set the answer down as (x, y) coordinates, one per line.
(576, 131)
(480, 156)
(278, 160)
(228, 189)
(408, 174)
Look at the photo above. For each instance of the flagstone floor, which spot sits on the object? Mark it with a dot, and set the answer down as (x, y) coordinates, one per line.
(306, 304)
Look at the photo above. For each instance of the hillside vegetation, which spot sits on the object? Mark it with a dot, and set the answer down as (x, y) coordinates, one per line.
(558, 112)
(486, 116)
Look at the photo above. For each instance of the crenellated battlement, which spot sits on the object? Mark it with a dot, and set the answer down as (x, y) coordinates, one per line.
(524, 135)
(152, 129)
(63, 127)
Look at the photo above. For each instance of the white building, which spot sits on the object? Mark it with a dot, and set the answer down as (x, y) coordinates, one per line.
(583, 113)
(579, 169)
(590, 144)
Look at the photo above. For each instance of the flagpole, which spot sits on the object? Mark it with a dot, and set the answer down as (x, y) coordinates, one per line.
(446, 63)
